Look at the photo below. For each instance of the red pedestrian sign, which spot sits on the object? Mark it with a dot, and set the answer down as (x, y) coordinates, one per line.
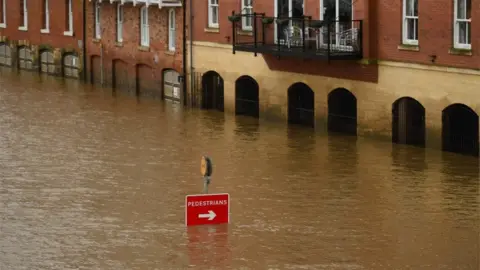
(207, 209)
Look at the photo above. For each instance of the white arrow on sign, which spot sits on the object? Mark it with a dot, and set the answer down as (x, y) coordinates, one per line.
(211, 215)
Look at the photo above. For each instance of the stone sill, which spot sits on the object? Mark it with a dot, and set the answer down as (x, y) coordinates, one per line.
(407, 47)
(118, 44)
(45, 31)
(212, 30)
(465, 52)
(170, 52)
(68, 33)
(23, 28)
(3, 25)
(96, 40)
(144, 48)
(244, 33)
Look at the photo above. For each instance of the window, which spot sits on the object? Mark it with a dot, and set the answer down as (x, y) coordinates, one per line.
(68, 18)
(213, 13)
(119, 22)
(410, 22)
(171, 30)
(45, 17)
(3, 13)
(144, 30)
(23, 15)
(97, 15)
(247, 11)
(462, 27)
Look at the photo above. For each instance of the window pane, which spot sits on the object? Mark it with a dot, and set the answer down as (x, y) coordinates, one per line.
(412, 29)
(214, 15)
(461, 9)
(409, 10)
(415, 7)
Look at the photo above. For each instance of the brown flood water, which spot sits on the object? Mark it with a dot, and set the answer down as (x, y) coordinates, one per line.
(94, 181)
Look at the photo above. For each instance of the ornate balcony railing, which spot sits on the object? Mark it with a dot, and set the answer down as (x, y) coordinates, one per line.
(159, 3)
(297, 37)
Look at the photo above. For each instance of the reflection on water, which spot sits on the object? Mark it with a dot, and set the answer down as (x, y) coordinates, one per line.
(95, 181)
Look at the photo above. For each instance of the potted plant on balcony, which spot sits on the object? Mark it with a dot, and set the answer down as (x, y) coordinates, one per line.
(281, 20)
(234, 18)
(267, 20)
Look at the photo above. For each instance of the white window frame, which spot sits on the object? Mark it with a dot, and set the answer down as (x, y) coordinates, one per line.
(98, 29)
(119, 22)
(406, 19)
(212, 5)
(144, 27)
(69, 31)
(47, 18)
(247, 9)
(24, 27)
(4, 14)
(171, 30)
(456, 26)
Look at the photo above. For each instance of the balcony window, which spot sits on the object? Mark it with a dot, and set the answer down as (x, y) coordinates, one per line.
(247, 12)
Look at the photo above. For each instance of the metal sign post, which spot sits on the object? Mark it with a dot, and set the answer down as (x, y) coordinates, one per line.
(206, 171)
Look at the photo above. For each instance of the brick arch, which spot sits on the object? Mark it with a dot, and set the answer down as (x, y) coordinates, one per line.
(121, 79)
(170, 84)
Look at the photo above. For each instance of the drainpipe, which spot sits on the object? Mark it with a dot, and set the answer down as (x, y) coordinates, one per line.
(192, 81)
(101, 63)
(184, 11)
(84, 40)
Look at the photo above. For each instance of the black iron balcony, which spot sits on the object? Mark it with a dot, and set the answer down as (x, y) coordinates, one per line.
(297, 37)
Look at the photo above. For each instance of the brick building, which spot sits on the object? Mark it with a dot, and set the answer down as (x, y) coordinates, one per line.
(136, 46)
(42, 35)
(404, 70)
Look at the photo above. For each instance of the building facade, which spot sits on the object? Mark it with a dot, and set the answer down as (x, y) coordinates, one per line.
(42, 35)
(403, 70)
(136, 46)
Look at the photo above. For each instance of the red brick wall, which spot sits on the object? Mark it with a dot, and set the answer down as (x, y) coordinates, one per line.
(340, 69)
(55, 38)
(435, 34)
(130, 52)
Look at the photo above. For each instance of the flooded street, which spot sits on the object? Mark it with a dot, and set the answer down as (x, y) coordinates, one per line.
(89, 180)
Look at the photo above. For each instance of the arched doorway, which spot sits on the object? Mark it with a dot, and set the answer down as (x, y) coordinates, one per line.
(460, 130)
(408, 122)
(246, 97)
(47, 62)
(212, 94)
(145, 82)
(342, 112)
(71, 66)
(120, 75)
(25, 58)
(171, 85)
(5, 55)
(95, 70)
(301, 105)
